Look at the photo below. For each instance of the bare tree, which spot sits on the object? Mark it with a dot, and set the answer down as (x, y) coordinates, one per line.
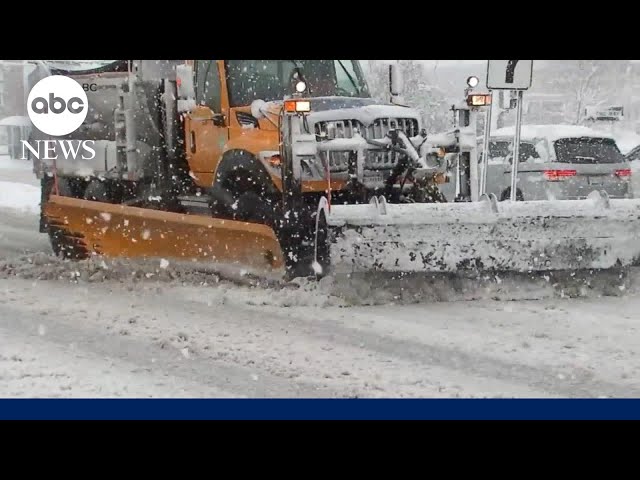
(378, 80)
(589, 88)
(419, 92)
(584, 82)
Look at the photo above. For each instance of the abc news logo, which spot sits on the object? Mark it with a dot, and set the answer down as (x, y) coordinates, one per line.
(57, 106)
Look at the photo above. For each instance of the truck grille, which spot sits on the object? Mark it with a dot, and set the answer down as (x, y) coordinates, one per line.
(374, 160)
(378, 129)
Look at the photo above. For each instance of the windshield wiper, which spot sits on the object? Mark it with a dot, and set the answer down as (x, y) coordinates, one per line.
(353, 82)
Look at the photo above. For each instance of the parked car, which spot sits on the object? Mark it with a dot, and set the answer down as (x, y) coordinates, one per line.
(564, 162)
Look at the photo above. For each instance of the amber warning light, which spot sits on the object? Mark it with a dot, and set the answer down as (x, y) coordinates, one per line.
(297, 106)
(479, 100)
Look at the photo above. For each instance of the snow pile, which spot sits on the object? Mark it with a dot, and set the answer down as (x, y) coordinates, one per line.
(626, 140)
(337, 290)
(297, 293)
(257, 291)
(223, 288)
(389, 289)
(20, 196)
(41, 266)
(8, 163)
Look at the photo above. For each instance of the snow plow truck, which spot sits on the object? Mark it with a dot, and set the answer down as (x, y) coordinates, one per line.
(291, 167)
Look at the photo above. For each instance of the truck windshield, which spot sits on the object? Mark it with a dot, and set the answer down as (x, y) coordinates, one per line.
(268, 80)
(588, 150)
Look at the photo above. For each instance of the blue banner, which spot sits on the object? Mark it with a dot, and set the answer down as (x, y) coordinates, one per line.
(322, 409)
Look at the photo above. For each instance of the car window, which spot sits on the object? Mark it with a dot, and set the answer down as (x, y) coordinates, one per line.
(527, 151)
(501, 152)
(498, 152)
(587, 150)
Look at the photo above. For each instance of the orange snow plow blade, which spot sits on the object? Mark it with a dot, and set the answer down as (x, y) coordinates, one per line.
(88, 227)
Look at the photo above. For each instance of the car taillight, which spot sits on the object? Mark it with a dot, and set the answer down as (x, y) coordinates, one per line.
(626, 172)
(558, 175)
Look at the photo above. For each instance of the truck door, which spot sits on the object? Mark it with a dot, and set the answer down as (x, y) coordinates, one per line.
(206, 127)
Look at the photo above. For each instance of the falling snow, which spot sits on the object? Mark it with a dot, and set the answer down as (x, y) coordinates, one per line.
(114, 328)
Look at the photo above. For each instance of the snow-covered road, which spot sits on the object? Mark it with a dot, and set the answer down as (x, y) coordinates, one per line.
(148, 338)
(67, 330)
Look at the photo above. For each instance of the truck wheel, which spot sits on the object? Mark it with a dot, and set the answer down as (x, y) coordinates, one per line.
(241, 202)
(254, 208)
(243, 190)
(302, 247)
(323, 247)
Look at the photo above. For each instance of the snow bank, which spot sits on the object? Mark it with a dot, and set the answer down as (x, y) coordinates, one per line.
(342, 291)
(8, 163)
(626, 140)
(215, 287)
(20, 196)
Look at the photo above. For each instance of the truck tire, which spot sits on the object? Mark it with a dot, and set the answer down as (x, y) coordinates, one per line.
(299, 242)
(254, 208)
(243, 190)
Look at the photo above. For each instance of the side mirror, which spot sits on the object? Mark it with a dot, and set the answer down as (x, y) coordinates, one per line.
(395, 80)
(186, 91)
(396, 84)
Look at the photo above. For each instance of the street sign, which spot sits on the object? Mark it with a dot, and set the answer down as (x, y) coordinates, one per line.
(509, 74)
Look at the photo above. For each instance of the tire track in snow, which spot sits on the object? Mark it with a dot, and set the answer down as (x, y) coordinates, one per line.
(218, 376)
(548, 378)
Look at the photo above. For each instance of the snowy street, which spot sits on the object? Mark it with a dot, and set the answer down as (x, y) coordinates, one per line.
(69, 330)
(105, 340)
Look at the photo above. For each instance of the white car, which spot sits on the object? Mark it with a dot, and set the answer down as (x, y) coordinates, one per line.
(564, 162)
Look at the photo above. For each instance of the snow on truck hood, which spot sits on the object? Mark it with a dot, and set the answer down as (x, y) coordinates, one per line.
(366, 114)
(365, 110)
